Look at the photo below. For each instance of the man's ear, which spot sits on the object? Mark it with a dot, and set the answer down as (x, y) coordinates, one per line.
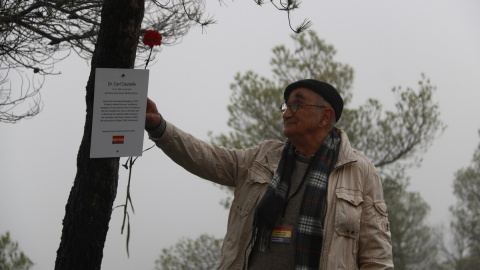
(327, 116)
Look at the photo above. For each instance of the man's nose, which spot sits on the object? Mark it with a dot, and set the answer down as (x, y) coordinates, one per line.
(287, 113)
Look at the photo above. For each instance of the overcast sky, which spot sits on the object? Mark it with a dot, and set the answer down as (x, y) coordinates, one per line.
(388, 43)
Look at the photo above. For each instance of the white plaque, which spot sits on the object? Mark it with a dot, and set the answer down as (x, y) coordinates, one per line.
(119, 107)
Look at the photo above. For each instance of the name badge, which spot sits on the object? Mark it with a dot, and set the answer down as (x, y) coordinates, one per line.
(282, 234)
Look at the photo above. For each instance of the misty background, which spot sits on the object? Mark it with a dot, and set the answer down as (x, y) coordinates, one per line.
(387, 43)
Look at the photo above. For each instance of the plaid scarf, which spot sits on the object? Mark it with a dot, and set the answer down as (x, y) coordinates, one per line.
(313, 208)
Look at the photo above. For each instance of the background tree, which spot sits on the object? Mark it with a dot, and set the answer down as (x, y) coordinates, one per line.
(11, 257)
(393, 140)
(386, 137)
(21, 104)
(413, 240)
(465, 227)
(199, 254)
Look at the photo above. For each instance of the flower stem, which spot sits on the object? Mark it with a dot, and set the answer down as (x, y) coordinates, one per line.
(126, 216)
(148, 59)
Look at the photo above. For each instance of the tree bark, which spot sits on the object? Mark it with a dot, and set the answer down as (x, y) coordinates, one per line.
(89, 206)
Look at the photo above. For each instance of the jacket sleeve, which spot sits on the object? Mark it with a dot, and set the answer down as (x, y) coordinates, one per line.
(375, 245)
(218, 164)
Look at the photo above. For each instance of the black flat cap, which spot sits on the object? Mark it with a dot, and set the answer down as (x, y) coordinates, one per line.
(328, 92)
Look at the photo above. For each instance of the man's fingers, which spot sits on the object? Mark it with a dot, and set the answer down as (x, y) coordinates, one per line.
(152, 117)
(151, 106)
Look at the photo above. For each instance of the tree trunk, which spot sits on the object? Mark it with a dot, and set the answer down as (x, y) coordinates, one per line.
(90, 203)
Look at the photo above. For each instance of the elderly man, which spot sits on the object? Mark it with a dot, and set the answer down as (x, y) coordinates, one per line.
(311, 202)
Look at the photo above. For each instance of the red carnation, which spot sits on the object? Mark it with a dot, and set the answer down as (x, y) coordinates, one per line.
(152, 38)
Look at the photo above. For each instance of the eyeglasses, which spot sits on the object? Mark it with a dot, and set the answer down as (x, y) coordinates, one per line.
(295, 105)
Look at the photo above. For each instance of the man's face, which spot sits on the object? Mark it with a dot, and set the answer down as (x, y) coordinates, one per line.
(306, 120)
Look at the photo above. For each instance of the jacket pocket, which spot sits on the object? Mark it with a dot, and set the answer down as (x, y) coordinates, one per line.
(348, 213)
(381, 216)
(258, 179)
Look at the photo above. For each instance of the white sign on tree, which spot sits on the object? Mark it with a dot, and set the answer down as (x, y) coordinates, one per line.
(119, 108)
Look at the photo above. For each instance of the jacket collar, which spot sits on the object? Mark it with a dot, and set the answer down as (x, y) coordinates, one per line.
(346, 154)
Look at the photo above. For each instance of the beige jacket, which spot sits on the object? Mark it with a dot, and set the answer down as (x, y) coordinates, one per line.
(357, 234)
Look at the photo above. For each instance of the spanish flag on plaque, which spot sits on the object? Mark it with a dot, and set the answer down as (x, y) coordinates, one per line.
(118, 139)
